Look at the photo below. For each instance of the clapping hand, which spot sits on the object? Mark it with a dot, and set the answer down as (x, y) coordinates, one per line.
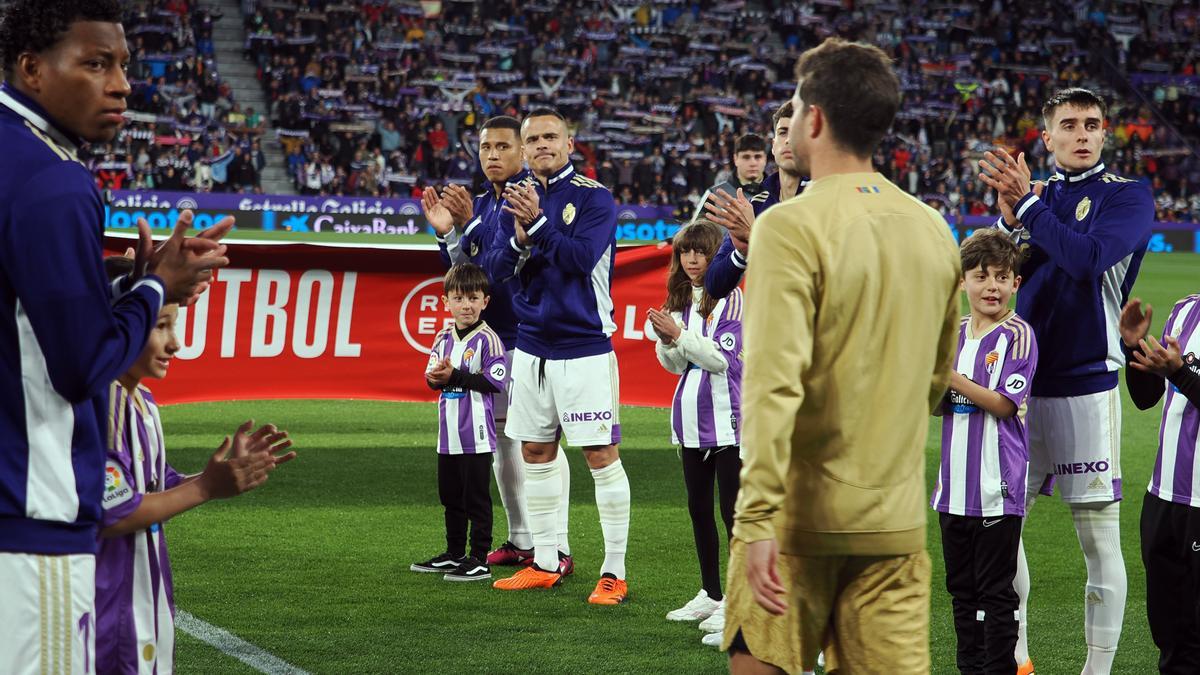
(185, 264)
(1134, 325)
(523, 203)
(436, 211)
(244, 461)
(668, 331)
(439, 375)
(458, 200)
(1010, 178)
(735, 214)
(1156, 358)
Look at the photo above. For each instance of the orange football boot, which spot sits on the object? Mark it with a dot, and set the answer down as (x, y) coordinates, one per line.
(609, 591)
(527, 578)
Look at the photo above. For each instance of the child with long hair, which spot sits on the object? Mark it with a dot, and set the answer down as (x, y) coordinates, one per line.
(700, 338)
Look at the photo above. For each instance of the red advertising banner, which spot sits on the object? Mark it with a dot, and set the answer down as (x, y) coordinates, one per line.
(315, 321)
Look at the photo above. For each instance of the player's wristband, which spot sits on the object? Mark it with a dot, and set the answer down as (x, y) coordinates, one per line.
(1022, 206)
(449, 239)
(537, 225)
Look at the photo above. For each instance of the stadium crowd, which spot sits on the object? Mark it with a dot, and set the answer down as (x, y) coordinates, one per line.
(378, 99)
(372, 99)
(185, 131)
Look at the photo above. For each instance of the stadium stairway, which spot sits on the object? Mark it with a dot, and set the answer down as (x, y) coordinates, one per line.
(229, 38)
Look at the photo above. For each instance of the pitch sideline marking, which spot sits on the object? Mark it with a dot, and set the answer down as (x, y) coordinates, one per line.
(232, 645)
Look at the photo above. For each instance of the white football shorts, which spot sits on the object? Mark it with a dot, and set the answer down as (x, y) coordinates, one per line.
(579, 395)
(1075, 442)
(47, 616)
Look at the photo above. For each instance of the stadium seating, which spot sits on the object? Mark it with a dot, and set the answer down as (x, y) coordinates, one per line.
(376, 98)
(185, 131)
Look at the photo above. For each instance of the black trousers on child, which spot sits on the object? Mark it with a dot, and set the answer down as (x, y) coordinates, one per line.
(1171, 554)
(464, 485)
(981, 562)
(704, 469)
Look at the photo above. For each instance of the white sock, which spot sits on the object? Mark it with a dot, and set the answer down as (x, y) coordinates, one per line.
(612, 501)
(509, 467)
(1021, 584)
(542, 486)
(1099, 530)
(564, 503)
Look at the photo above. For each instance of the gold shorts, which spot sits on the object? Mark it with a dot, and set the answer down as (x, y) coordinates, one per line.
(868, 614)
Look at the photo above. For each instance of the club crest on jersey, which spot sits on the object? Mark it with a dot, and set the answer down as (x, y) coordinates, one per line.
(568, 214)
(474, 249)
(468, 355)
(1084, 207)
(990, 361)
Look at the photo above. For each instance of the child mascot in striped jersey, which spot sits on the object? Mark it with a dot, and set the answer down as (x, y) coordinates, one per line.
(980, 490)
(135, 604)
(700, 339)
(467, 367)
(1171, 508)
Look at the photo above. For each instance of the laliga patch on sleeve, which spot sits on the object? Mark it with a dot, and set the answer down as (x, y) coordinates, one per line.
(499, 372)
(1015, 383)
(728, 342)
(117, 488)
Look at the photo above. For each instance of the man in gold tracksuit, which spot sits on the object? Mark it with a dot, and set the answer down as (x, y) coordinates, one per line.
(850, 321)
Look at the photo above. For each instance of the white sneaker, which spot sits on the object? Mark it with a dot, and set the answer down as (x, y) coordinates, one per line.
(716, 622)
(712, 640)
(698, 608)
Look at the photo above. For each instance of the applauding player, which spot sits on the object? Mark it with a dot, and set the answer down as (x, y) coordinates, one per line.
(564, 368)
(485, 224)
(66, 332)
(1087, 231)
(736, 213)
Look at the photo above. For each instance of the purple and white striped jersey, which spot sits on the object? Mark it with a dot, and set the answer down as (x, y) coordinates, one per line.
(135, 602)
(707, 408)
(1176, 476)
(466, 420)
(985, 460)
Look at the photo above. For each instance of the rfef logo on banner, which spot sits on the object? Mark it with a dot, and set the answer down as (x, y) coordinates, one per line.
(421, 314)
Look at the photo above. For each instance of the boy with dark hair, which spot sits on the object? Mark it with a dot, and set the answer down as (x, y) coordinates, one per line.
(466, 231)
(980, 490)
(749, 164)
(467, 366)
(736, 212)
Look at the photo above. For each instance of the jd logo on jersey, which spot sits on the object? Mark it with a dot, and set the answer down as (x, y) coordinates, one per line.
(1015, 383)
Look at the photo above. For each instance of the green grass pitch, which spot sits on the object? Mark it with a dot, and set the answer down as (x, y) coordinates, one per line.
(313, 567)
